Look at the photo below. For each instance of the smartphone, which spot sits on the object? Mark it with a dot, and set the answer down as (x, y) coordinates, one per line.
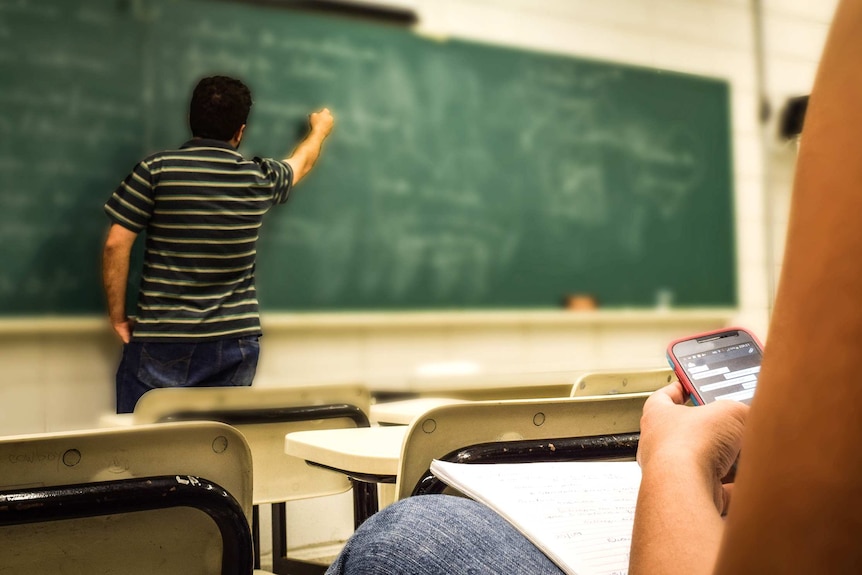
(722, 364)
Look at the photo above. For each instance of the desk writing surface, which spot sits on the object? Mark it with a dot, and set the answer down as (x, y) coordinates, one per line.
(370, 450)
(117, 420)
(404, 412)
(459, 175)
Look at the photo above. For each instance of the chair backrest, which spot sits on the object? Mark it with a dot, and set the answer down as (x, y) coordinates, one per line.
(265, 416)
(101, 483)
(444, 429)
(622, 381)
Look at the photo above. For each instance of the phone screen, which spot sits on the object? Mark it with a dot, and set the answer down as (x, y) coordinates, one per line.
(724, 372)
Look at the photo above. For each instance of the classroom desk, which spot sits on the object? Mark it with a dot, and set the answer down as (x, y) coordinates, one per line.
(405, 411)
(480, 386)
(367, 455)
(116, 420)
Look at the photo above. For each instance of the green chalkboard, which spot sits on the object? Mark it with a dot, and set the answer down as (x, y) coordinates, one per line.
(70, 117)
(460, 175)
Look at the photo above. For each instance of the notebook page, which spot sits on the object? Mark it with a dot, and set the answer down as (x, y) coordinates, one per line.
(579, 513)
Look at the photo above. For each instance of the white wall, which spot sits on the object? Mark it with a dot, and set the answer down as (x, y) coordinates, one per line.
(60, 378)
(794, 35)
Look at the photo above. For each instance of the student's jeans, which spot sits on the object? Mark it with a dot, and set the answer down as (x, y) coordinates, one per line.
(439, 535)
(150, 365)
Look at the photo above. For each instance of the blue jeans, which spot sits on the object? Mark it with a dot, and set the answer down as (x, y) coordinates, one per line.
(150, 365)
(439, 535)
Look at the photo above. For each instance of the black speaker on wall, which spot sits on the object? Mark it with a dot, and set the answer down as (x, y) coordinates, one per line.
(793, 117)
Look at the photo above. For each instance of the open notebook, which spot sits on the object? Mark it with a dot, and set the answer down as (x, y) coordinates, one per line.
(580, 513)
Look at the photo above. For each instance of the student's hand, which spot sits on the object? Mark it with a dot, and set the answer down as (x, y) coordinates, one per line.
(706, 436)
(124, 329)
(321, 122)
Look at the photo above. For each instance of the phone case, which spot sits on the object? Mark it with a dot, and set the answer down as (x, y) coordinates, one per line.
(677, 368)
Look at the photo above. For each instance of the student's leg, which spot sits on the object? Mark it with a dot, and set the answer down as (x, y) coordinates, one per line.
(239, 357)
(151, 365)
(439, 535)
(147, 366)
(223, 363)
(126, 382)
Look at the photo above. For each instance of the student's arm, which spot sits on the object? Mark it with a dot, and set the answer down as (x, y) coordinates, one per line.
(306, 153)
(798, 502)
(115, 277)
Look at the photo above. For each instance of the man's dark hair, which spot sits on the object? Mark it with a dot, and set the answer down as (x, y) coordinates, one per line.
(219, 106)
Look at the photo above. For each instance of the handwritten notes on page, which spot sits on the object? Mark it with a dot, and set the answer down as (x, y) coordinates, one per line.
(579, 513)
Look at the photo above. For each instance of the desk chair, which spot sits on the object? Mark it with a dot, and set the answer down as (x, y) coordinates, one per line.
(488, 388)
(166, 499)
(582, 427)
(622, 381)
(265, 416)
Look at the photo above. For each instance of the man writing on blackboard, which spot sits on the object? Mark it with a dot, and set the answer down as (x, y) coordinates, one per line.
(197, 320)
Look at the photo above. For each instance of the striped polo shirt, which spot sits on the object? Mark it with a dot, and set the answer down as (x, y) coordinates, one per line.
(201, 207)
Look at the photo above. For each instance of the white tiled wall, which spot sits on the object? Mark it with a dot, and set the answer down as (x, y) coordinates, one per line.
(62, 381)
